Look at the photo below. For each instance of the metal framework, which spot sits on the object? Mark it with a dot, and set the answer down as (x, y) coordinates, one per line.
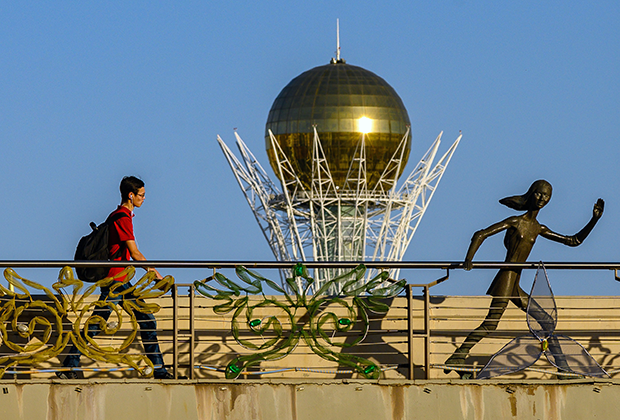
(322, 222)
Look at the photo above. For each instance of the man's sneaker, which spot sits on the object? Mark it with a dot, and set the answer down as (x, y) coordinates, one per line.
(163, 375)
(67, 375)
(167, 375)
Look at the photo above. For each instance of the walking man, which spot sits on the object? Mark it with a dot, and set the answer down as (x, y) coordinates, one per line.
(122, 247)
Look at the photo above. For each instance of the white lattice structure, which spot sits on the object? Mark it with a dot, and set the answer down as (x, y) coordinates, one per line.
(325, 223)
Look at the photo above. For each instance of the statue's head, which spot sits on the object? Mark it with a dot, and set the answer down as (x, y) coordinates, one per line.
(536, 197)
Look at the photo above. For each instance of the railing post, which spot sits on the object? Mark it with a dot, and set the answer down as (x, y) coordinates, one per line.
(410, 330)
(175, 332)
(427, 332)
(191, 331)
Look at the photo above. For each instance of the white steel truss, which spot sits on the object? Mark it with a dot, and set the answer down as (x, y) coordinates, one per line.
(331, 224)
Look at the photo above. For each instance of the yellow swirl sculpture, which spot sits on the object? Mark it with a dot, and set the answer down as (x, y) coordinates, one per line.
(57, 308)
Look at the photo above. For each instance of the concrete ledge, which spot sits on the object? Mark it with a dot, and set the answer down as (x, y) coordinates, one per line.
(309, 399)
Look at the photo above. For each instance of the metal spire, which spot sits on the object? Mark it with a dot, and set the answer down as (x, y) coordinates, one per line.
(337, 39)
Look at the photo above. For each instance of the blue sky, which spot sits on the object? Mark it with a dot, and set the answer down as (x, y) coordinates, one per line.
(92, 91)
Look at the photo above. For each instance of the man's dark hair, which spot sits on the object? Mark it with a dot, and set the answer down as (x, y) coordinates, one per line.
(130, 184)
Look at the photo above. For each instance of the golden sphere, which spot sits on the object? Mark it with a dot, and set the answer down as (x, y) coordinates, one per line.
(343, 102)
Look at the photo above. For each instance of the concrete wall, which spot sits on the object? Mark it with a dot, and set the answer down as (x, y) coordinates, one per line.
(308, 400)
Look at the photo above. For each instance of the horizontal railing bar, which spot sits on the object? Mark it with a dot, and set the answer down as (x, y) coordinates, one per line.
(314, 264)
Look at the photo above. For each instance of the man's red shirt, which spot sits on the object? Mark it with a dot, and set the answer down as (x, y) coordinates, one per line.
(120, 231)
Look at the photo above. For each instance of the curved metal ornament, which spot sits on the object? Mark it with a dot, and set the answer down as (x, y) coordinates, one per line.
(147, 287)
(316, 319)
(12, 310)
(57, 309)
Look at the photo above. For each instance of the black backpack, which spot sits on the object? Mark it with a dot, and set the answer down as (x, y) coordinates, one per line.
(94, 247)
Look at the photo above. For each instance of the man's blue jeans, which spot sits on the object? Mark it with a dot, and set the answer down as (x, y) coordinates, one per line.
(146, 322)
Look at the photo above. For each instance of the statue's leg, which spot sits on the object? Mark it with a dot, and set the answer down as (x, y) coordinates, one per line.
(521, 300)
(498, 306)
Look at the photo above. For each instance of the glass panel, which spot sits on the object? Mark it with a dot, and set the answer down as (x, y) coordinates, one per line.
(518, 354)
(382, 126)
(568, 355)
(346, 125)
(542, 313)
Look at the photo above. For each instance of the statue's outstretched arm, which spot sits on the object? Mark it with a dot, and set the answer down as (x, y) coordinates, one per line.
(480, 236)
(577, 239)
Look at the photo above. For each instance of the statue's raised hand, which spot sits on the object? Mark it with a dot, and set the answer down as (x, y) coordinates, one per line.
(597, 212)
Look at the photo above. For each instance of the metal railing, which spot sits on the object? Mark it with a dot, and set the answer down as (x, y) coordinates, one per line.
(413, 333)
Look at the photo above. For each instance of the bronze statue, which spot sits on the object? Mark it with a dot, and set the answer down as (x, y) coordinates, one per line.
(521, 234)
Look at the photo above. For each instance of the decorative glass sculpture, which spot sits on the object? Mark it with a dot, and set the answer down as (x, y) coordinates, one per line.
(561, 351)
